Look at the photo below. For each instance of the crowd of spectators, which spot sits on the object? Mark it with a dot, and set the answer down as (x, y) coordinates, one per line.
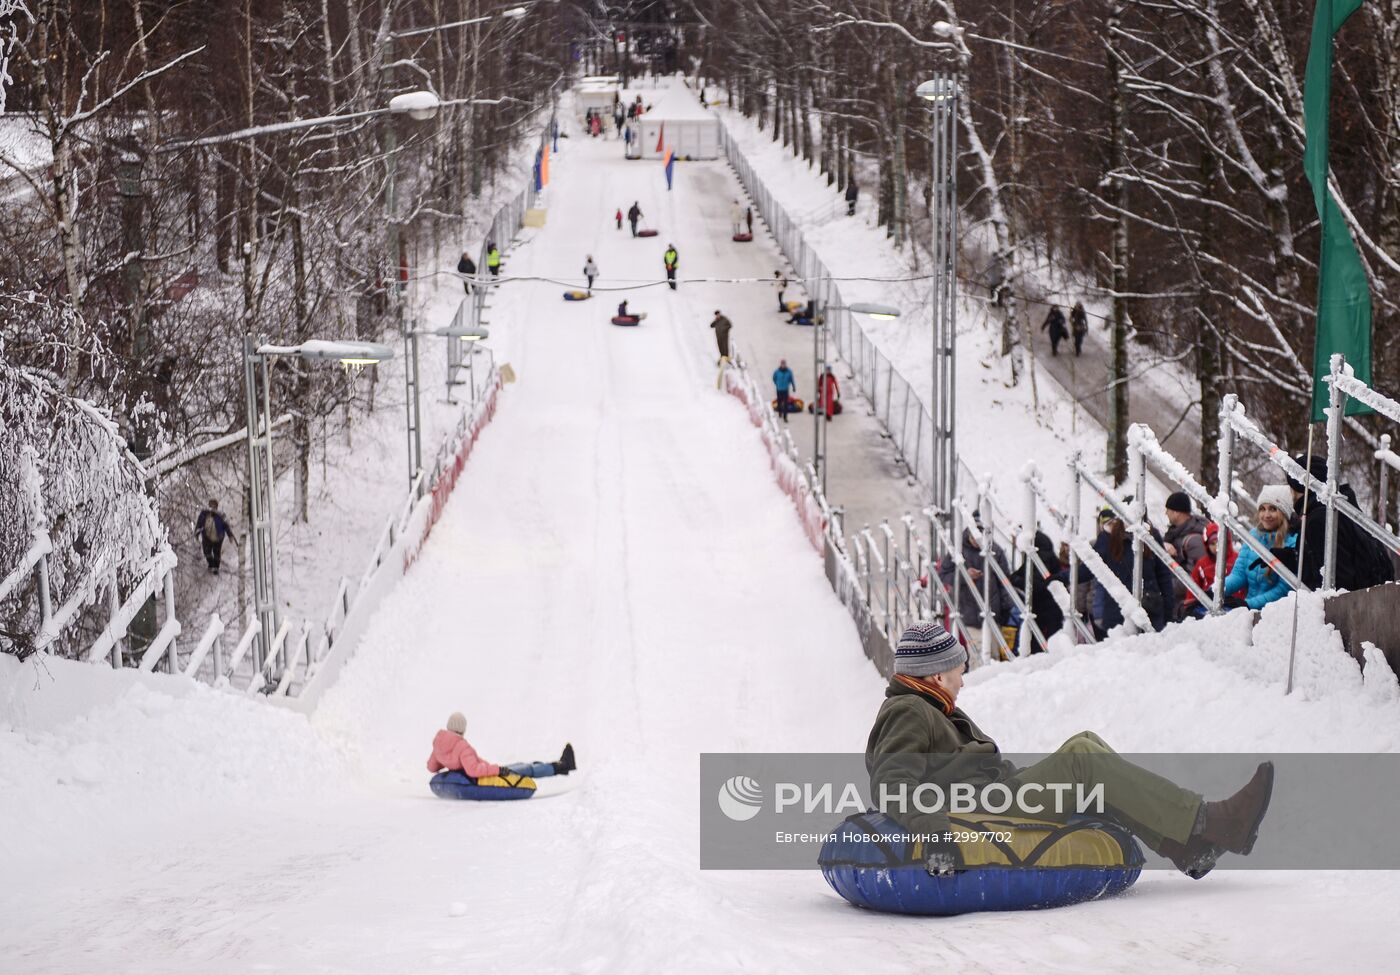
(1289, 522)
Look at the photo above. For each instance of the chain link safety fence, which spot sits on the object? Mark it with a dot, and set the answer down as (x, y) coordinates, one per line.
(892, 398)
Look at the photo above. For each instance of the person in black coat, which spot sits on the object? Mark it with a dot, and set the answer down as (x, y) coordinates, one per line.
(1078, 326)
(1362, 561)
(852, 194)
(1115, 548)
(466, 267)
(1048, 614)
(1055, 324)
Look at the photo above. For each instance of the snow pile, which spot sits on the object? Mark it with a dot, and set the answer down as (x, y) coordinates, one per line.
(739, 384)
(91, 756)
(1211, 685)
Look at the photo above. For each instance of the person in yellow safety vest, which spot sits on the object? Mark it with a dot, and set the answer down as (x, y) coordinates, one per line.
(671, 258)
(493, 259)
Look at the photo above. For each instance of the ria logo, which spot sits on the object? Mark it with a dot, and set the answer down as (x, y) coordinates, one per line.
(740, 798)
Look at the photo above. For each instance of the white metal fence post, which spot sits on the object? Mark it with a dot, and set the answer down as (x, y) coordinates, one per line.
(1335, 406)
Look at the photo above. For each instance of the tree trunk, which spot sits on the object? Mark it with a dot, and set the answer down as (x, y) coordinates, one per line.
(1118, 192)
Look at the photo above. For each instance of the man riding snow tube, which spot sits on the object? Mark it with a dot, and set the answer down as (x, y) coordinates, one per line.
(922, 740)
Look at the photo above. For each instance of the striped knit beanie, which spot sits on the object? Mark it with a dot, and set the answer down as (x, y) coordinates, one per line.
(926, 648)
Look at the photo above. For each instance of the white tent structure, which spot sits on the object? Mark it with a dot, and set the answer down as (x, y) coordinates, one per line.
(676, 120)
(596, 92)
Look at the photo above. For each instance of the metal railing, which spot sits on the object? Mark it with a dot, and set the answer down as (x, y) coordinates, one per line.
(889, 574)
(891, 396)
(296, 650)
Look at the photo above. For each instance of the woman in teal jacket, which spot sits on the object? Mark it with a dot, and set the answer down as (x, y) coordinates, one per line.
(1257, 575)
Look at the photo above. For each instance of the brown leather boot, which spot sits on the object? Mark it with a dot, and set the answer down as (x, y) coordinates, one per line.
(1195, 858)
(1233, 824)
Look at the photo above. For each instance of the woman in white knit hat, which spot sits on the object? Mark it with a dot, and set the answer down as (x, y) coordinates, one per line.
(1256, 573)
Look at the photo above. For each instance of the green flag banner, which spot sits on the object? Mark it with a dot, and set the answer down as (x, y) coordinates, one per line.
(1343, 295)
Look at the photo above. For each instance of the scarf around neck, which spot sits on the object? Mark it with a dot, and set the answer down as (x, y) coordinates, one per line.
(928, 688)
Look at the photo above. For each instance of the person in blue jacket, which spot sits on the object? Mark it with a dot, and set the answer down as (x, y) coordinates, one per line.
(783, 382)
(1263, 584)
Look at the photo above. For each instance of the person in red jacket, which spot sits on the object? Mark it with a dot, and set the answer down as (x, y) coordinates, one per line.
(1203, 573)
(453, 753)
(828, 393)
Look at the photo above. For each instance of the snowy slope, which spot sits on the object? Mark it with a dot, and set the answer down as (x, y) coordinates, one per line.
(615, 568)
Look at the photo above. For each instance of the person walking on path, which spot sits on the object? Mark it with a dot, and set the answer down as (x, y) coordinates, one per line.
(1078, 326)
(212, 529)
(780, 284)
(634, 213)
(783, 382)
(828, 393)
(920, 736)
(748, 219)
(590, 271)
(466, 267)
(852, 194)
(736, 219)
(453, 753)
(670, 259)
(618, 218)
(493, 259)
(1055, 322)
(722, 325)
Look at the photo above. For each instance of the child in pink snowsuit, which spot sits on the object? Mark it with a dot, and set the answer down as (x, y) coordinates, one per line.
(453, 753)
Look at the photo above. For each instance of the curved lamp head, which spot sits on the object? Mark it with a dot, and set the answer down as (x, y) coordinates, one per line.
(419, 105)
(937, 90)
(882, 312)
(467, 333)
(323, 350)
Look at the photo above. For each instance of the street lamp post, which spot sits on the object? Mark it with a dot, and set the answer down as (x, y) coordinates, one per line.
(942, 93)
(456, 331)
(262, 532)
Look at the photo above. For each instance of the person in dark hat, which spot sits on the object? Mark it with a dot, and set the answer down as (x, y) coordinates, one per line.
(1185, 541)
(1362, 561)
(921, 736)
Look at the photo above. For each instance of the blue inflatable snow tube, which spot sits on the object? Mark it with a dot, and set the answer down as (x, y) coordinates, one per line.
(870, 863)
(459, 785)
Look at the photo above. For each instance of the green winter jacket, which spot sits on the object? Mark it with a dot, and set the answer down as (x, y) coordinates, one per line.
(914, 742)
